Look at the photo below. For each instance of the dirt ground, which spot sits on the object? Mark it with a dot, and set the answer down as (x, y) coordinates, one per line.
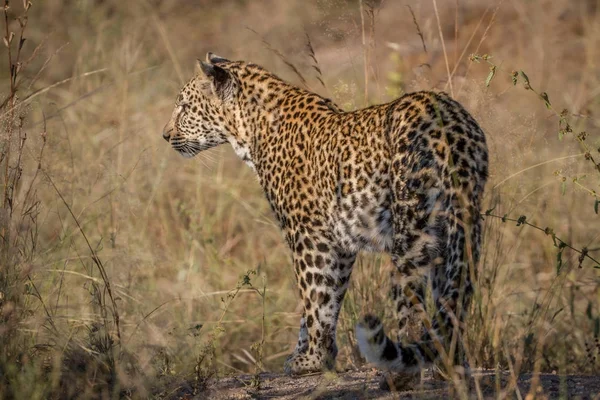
(365, 384)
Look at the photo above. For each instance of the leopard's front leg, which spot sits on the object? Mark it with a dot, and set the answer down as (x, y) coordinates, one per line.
(322, 274)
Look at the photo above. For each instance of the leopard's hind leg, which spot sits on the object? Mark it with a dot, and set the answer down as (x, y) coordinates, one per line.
(430, 252)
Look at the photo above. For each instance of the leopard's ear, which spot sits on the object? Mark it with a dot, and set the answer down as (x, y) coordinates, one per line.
(215, 73)
(198, 67)
(219, 77)
(215, 59)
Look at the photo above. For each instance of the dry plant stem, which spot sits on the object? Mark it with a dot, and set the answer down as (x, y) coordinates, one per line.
(86, 95)
(258, 347)
(365, 52)
(11, 118)
(5, 234)
(562, 116)
(164, 37)
(462, 54)
(558, 242)
(46, 311)
(66, 80)
(437, 16)
(282, 58)
(313, 57)
(563, 122)
(16, 254)
(39, 167)
(26, 201)
(95, 258)
(590, 191)
(414, 18)
(12, 100)
(492, 20)
(15, 64)
(38, 74)
(535, 380)
(535, 166)
(374, 69)
(263, 296)
(114, 207)
(513, 375)
(478, 390)
(456, 5)
(208, 350)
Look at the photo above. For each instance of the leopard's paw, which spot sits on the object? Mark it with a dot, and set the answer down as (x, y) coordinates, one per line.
(305, 363)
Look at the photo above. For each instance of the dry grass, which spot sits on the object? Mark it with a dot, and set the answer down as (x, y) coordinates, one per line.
(111, 206)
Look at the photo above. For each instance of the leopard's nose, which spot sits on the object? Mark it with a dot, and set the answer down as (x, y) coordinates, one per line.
(167, 134)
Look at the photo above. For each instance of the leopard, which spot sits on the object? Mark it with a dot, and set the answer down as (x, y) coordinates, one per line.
(404, 178)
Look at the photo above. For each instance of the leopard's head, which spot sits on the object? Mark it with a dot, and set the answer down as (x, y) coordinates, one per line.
(202, 117)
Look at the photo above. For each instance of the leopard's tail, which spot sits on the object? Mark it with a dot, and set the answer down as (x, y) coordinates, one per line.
(442, 334)
(385, 354)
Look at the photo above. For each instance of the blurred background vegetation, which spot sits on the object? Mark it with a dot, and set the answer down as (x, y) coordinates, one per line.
(119, 257)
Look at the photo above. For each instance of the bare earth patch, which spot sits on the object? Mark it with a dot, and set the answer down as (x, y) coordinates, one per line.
(365, 384)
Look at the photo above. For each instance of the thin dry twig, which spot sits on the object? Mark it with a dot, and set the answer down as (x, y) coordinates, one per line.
(437, 16)
(165, 38)
(365, 51)
(315, 62)
(414, 18)
(490, 24)
(558, 242)
(95, 257)
(281, 57)
(462, 54)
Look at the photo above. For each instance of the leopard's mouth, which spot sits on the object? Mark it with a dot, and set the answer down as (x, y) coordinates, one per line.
(187, 148)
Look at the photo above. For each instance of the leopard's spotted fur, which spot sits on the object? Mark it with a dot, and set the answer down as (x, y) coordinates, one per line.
(405, 177)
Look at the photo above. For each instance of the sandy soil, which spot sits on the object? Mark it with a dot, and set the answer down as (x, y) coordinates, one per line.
(366, 384)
